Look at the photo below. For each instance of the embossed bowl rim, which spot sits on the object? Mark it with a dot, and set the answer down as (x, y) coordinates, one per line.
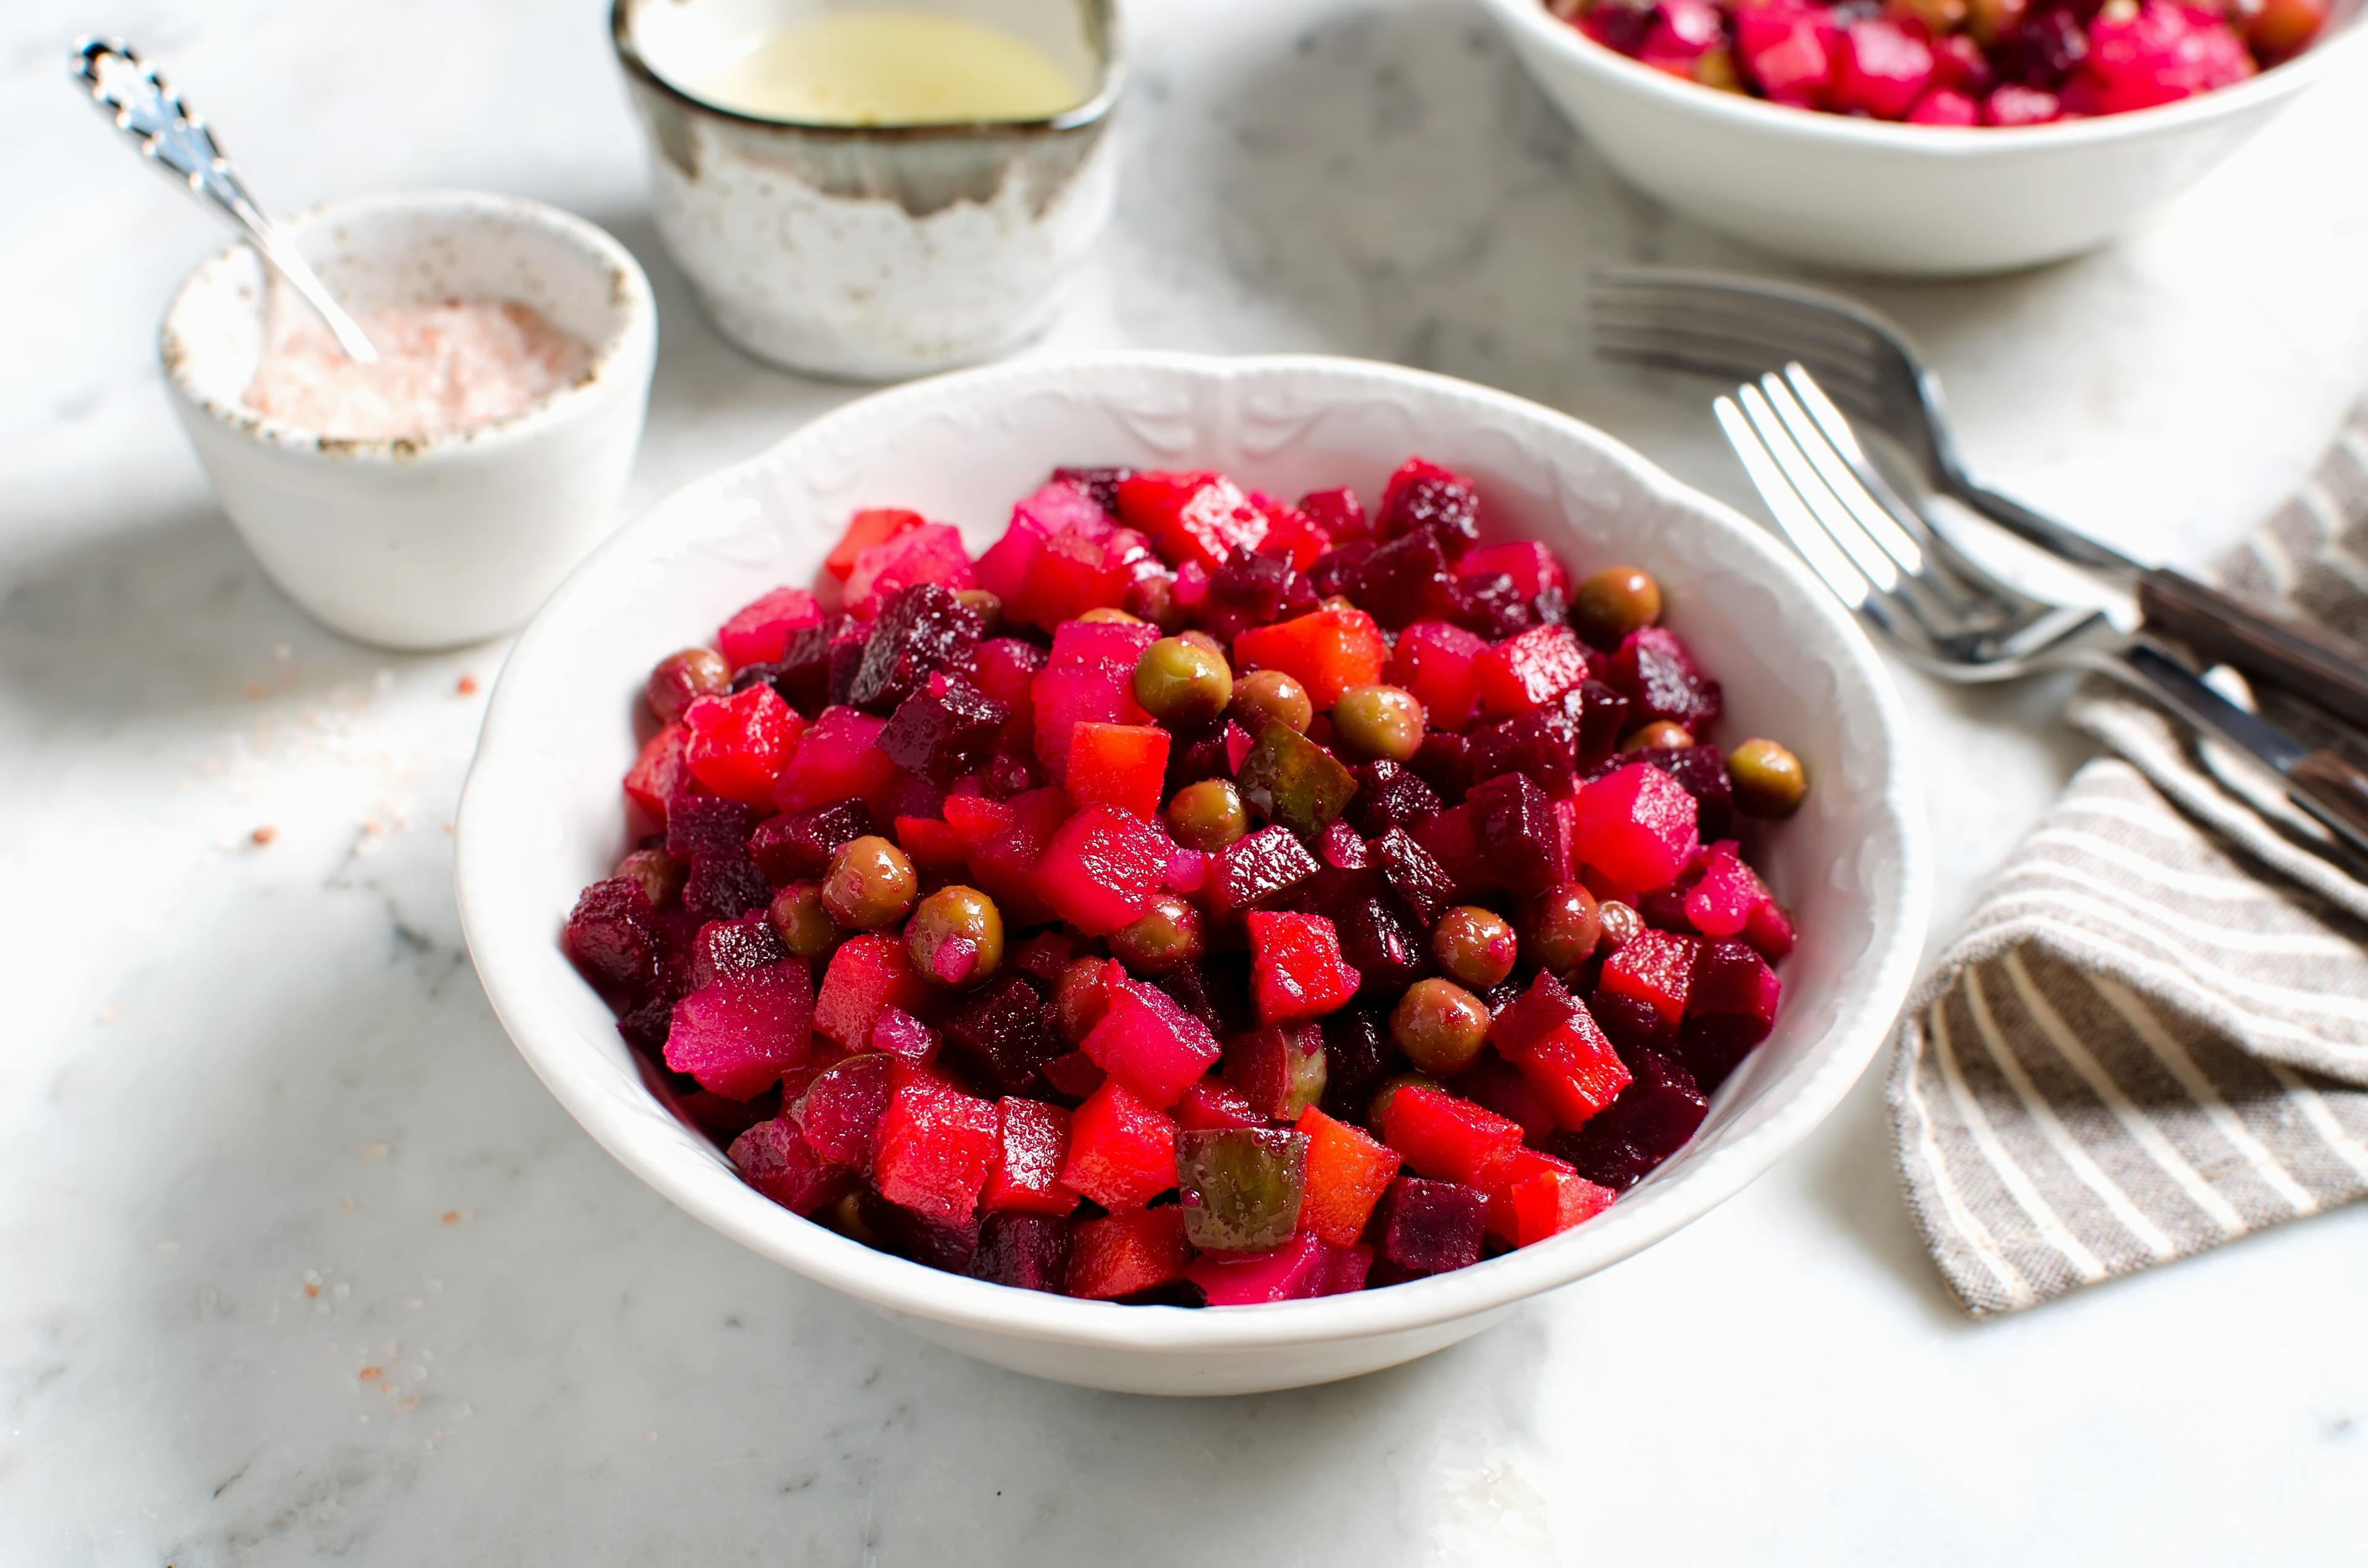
(528, 758)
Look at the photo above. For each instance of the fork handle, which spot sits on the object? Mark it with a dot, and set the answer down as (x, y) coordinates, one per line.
(2318, 666)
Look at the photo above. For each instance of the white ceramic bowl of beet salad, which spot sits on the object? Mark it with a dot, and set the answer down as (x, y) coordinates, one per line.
(1187, 934)
(1924, 138)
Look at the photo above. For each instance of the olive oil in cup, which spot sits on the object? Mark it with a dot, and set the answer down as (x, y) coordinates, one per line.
(876, 192)
(891, 68)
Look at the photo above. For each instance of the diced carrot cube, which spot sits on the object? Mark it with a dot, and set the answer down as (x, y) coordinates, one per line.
(1346, 1173)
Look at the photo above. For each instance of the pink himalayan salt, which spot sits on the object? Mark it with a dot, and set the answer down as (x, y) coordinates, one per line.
(441, 368)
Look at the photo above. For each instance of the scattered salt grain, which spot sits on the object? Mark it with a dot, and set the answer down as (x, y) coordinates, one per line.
(263, 835)
(466, 686)
(441, 368)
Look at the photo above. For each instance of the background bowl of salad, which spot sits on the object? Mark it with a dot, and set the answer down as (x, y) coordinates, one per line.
(1923, 138)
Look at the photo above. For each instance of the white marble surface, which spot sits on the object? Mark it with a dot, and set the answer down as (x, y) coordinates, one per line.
(297, 1260)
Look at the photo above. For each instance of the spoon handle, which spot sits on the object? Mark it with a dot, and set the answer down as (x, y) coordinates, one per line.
(145, 109)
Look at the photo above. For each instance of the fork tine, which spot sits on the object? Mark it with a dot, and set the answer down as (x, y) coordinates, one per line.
(1809, 540)
(1823, 504)
(1679, 288)
(1816, 440)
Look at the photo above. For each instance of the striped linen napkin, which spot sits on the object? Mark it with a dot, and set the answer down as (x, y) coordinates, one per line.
(2152, 1035)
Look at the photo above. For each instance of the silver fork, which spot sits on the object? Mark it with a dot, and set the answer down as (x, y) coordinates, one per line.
(1735, 327)
(1950, 617)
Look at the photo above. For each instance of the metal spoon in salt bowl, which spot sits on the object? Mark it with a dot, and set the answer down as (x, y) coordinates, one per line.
(180, 144)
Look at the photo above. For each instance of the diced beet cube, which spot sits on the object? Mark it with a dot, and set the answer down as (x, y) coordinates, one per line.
(1074, 1074)
(1211, 1104)
(1770, 930)
(1296, 967)
(732, 947)
(1405, 581)
(1150, 1044)
(1641, 995)
(759, 631)
(1292, 535)
(797, 845)
(1027, 1252)
(1214, 990)
(1380, 945)
(1117, 764)
(1026, 1176)
(1448, 1138)
(1702, 769)
(1127, 1253)
(924, 630)
(943, 730)
(1452, 839)
(736, 1036)
(1010, 839)
(1656, 673)
(1431, 1227)
(1294, 1271)
(1730, 1008)
(723, 887)
(1279, 1070)
(1042, 956)
(1529, 670)
(839, 1112)
(1241, 1187)
(1652, 1120)
(866, 529)
(776, 1160)
(1347, 1172)
(1636, 826)
(1344, 1269)
(1335, 571)
(803, 674)
(1099, 484)
(1421, 497)
(926, 1239)
(737, 745)
(1122, 1151)
(1389, 795)
(1252, 590)
(1543, 1198)
(612, 937)
(1090, 678)
(866, 972)
(1326, 650)
(1414, 876)
(659, 772)
(1532, 565)
(1541, 744)
(1003, 1035)
(1293, 781)
(899, 1034)
(1497, 1085)
(1199, 517)
(838, 760)
(935, 1146)
(1443, 761)
(1356, 1057)
(701, 826)
(930, 556)
(1256, 872)
(1005, 668)
(1101, 867)
(1560, 1052)
(1438, 661)
(1518, 833)
(1338, 511)
(1723, 896)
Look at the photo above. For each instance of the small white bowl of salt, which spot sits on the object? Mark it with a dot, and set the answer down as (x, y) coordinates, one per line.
(436, 496)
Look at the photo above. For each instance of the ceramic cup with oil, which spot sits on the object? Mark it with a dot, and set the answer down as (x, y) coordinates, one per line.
(876, 188)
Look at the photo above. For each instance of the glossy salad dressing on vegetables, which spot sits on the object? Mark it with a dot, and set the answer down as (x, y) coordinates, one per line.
(891, 68)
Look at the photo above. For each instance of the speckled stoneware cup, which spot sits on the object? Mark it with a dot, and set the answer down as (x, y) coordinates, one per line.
(872, 252)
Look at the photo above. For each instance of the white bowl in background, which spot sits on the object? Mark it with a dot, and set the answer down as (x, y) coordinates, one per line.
(542, 815)
(435, 540)
(1872, 197)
